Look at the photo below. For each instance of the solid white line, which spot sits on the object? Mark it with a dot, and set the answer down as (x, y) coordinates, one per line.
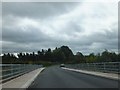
(28, 83)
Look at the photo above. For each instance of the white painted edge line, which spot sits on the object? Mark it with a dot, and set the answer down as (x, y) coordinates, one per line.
(0, 86)
(94, 73)
(28, 83)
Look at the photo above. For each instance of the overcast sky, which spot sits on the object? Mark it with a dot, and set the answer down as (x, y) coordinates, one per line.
(86, 27)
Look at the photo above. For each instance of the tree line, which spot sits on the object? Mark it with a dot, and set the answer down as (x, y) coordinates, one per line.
(60, 55)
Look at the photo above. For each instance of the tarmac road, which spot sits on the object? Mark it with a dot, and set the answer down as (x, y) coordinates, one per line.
(56, 77)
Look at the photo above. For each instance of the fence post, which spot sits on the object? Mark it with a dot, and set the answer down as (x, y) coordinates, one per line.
(104, 67)
(88, 66)
(119, 68)
(12, 69)
(94, 67)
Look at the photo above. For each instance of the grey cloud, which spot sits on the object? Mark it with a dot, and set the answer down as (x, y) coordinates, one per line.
(37, 9)
(19, 36)
(33, 40)
(15, 39)
(73, 27)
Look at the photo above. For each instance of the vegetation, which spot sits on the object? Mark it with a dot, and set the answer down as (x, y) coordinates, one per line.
(59, 55)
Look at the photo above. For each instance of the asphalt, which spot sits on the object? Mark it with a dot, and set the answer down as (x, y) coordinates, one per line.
(56, 77)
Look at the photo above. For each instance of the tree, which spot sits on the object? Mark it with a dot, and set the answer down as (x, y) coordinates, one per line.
(39, 53)
(48, 54)
(68, 53)
(91, 58)
(79, 57)
(43, 51)
(58, 55)
(62, 54)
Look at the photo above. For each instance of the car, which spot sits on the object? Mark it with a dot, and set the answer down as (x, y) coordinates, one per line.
(62, 65)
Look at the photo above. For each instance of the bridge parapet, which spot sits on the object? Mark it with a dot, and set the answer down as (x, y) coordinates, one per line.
(109, 67)
(10, 71)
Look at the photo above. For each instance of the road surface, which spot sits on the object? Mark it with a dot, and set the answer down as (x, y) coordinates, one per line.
(56, 77)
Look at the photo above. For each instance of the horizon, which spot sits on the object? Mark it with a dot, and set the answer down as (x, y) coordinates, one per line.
(74, 53)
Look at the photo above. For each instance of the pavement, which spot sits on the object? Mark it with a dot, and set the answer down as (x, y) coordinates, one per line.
(101, 74)
(56, 77)
(22, 81)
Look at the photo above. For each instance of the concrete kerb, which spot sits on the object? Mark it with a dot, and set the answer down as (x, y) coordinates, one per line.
(22, 85)
(28, 83)
(105, 75)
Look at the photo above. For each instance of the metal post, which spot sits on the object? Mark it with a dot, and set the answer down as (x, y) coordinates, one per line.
(104, 67)
(11, 67)
(94, 67)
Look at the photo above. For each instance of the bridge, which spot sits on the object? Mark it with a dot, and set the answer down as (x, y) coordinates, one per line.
(87, 75)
